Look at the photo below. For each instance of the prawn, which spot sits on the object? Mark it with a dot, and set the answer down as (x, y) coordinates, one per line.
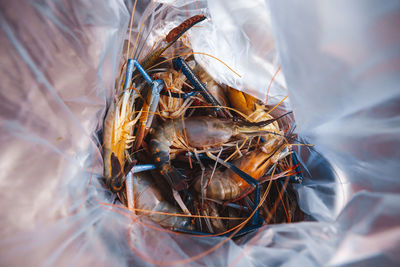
(197, 132)
(150, 203)
(151, 101)
(121, 117)
(118, 138)
(226, 185)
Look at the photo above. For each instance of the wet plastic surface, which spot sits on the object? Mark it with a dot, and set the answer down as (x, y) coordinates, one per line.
(59, 60)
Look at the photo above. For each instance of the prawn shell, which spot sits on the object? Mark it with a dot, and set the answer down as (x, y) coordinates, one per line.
(207, 132)
(108, 129)
(256, 162)
(228, 185)
(241, 101)
(221, 187)
(150, 198)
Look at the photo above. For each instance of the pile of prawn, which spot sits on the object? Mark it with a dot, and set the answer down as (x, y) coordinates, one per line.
(176, 145)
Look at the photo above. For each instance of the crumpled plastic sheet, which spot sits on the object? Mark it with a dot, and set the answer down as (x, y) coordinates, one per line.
(340, 61)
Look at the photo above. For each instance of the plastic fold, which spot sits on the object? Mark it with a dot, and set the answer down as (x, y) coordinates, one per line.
(337, 61)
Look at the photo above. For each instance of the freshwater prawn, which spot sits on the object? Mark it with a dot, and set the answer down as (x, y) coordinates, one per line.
(150, 202)
(125, 126)
(227, 185)
(197, 132)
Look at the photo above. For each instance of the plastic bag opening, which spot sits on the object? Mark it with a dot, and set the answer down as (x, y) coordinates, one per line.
(59, 63)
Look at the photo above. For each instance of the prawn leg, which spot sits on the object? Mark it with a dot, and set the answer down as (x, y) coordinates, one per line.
(142, 168)
(129, 71)
(181, 65)
(299, 177)
(241, 232)
(129, 181)
(231, 205)
(177, 95)
(150, 104)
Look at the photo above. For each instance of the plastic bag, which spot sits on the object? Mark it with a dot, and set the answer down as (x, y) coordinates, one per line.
(59, 63)
(341, 64)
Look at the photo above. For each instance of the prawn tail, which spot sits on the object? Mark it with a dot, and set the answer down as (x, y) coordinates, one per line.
(173, 177)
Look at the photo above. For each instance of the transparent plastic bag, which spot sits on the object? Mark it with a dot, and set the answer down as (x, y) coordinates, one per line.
(59, 63)
(341, 64)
